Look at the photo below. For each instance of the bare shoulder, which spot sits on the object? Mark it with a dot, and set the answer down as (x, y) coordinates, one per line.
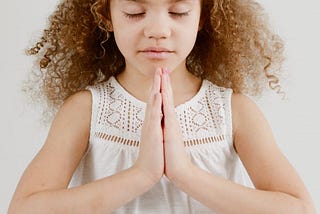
(80, 101)
(241, 103)
(245, 112)
(72, 123)
(251, 131)
(74, 116)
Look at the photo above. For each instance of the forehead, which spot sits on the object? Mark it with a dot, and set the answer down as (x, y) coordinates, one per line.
(158, 1)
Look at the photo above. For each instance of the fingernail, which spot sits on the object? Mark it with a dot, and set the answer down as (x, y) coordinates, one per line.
(166, 71)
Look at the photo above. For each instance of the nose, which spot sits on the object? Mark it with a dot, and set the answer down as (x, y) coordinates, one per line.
(157, 27)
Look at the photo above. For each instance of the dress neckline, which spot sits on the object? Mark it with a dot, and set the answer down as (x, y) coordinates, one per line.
(143, 104)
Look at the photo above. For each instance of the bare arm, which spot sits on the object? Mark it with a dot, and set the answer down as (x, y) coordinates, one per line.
(43, 186)
(278, 187)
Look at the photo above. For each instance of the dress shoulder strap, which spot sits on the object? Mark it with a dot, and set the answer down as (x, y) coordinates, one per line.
(220, 100)
(99, 104)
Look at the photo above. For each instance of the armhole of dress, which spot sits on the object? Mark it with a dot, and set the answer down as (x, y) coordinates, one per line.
(228, 114)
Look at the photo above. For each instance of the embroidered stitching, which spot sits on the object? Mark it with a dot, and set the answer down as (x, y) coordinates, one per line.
(198, 121)
(188, 143)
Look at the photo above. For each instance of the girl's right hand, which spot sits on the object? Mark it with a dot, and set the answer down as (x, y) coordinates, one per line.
(151, 154)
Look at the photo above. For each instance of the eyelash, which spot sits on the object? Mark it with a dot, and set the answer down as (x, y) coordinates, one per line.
(180, 15)
(140, 15)
(134, 16)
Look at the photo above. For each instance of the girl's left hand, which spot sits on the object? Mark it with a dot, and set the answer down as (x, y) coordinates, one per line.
(177, 163)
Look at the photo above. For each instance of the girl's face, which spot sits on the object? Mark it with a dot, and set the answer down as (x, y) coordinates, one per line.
(155, 33)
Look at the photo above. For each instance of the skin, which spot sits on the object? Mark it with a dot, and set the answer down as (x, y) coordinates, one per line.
(43, 186)
(153, 29)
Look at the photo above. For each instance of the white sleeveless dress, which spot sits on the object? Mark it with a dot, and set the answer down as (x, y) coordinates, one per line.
(117, 118)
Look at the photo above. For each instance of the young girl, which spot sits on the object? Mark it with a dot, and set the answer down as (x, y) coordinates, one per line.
(149, 123)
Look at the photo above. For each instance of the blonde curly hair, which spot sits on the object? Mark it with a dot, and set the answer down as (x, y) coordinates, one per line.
(77, 50)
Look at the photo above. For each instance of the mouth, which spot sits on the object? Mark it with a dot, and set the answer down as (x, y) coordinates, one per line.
(156, 53)
(156, 49)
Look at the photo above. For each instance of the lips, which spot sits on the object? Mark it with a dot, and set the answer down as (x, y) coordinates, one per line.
(156, 53)
(156, 49)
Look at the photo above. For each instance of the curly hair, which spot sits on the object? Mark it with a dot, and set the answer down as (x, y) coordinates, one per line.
(77, 50)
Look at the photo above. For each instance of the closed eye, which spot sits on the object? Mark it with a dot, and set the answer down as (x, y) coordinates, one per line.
(179, 15)
(134, 15)
(141, 15)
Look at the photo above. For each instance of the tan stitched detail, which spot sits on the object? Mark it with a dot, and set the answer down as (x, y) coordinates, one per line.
(206, 140)
(117, 139)
(135, 143)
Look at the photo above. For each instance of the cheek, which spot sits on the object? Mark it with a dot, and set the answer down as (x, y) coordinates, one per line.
(121, 32)
(124, 39)
(188, 37)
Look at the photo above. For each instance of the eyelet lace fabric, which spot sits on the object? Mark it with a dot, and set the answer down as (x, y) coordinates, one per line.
(117, 118)
(203, 119)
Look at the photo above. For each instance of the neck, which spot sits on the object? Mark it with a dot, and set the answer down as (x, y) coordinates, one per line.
(184, 84)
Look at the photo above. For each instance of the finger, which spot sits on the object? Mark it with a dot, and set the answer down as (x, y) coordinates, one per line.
(168, 102)
(156, 81)
(154, 90)
(168, 82)
(151, 128)
(170, 117)
(155, 112)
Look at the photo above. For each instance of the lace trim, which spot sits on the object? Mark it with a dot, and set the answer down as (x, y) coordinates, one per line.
(117, 139)
(202, 119)
(134, 143)
(206, 140)
(116, 111)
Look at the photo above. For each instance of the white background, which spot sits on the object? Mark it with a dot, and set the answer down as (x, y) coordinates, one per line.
(295, 121)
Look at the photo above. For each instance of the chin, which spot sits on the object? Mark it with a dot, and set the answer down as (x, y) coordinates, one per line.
(152, 68)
